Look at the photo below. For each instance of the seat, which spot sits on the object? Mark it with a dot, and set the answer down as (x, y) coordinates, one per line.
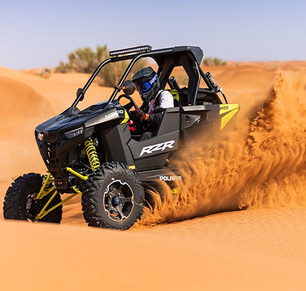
(176, 97)
(179, 94)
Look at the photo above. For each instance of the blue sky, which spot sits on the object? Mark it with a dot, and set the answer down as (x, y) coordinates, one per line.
(37, 34)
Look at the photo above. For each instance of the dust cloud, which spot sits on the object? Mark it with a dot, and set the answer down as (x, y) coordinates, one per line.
(261, 164)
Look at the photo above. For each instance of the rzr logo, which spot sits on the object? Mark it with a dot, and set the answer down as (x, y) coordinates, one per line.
(157, 147)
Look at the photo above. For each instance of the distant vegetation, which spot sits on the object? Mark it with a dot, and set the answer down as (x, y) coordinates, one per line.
(86, 60)
(210, 62)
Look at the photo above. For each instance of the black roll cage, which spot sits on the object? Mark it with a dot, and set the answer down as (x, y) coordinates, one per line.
(189, 57)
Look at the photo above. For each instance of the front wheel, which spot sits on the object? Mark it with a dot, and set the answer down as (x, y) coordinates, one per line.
(113, 197)
(20, 202)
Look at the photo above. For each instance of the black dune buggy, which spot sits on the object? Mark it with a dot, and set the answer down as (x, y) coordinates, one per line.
(93, 154)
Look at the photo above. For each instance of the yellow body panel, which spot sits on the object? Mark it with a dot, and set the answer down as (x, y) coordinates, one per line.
(175, 94)
(126, 117)
(227, 112)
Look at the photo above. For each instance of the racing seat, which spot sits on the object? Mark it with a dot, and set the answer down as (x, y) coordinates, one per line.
(179, 94)
(176, 97)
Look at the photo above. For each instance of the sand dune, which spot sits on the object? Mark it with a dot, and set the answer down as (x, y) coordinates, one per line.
(261, 166)
(248, 250)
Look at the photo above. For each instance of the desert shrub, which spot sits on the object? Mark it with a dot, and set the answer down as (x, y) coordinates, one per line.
(213, 62)
(86, 60)
(112, 72)
(63, 68)
(83, 60)
(45, 71)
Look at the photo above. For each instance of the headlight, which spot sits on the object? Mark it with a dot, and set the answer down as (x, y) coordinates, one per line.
(73, 133)
(40, 136)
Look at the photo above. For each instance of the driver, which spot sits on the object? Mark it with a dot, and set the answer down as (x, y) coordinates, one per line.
(145, 120)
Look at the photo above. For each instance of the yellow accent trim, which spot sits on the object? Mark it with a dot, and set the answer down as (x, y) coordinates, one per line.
(175, 191)
(175, 94)
(77, 174)
(126, 117)
(228, 111)
(132, 167)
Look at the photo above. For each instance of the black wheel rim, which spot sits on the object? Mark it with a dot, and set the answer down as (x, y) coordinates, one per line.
(32, 207)
(118, 200)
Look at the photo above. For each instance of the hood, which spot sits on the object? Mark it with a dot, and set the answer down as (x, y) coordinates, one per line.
(73, 118)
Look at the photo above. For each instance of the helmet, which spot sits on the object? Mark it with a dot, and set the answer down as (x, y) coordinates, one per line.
(147, 83)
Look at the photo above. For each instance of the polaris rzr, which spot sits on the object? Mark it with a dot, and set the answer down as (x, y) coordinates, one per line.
(92, 152)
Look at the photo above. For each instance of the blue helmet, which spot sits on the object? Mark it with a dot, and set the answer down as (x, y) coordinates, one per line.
(147, 83)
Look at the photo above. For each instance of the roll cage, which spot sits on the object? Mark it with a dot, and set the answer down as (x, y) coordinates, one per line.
(188, 57)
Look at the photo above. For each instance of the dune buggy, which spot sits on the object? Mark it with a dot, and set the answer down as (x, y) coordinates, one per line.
(93, 154)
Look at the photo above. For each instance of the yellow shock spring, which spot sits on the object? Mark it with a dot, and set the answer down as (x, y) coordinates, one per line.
(92, 154)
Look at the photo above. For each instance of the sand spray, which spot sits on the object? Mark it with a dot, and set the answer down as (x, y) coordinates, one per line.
(261, 164)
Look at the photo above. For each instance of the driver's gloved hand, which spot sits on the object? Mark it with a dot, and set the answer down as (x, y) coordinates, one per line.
(139, 115)
(135, 128)
(134, 115)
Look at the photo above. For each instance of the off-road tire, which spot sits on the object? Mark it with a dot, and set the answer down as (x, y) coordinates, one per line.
(18, 195)
(111, 189)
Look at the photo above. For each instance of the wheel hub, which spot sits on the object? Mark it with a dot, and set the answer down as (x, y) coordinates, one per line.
(118, 201)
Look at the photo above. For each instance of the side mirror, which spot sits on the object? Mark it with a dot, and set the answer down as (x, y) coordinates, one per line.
(128, 87)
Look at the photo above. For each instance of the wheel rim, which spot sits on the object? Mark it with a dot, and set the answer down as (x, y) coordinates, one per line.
(118, 200)
(32, 207)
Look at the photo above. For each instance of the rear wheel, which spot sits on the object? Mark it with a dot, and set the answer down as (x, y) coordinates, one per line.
(20, 202)
(113, 197)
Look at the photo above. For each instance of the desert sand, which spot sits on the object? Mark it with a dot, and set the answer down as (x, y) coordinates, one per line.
(198, 241)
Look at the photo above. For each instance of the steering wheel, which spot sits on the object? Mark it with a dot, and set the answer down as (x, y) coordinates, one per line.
(131, 104)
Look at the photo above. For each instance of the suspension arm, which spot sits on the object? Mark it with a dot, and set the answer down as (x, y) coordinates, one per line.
(43, 192)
